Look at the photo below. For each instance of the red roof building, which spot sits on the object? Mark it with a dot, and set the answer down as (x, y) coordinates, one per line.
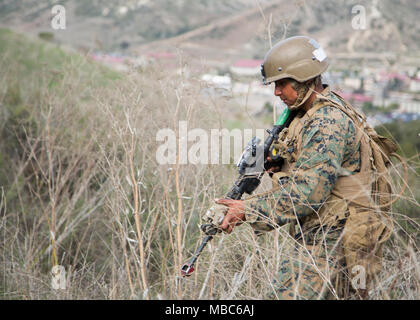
(246, 67)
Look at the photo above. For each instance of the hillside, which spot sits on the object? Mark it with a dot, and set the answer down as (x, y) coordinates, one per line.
(80, 186)
(213, 28)
(83, 187)
(108, 23)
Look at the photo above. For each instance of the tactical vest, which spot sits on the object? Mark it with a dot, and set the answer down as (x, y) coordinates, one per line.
(361, 200)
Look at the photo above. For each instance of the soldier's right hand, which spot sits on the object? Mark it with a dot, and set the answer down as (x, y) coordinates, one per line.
(213, 218)
(235, 216)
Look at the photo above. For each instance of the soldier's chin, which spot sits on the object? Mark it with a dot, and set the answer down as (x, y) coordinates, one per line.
(287, 102)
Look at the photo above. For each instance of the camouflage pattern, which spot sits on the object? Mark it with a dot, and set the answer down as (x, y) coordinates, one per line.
(328, 150)
(311, 272)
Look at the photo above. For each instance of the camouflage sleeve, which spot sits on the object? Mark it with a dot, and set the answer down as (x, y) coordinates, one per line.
(325, 145)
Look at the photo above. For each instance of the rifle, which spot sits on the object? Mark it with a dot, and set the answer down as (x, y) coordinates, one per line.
(251, 164)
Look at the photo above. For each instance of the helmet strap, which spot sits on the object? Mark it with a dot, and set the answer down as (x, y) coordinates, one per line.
(304, 90)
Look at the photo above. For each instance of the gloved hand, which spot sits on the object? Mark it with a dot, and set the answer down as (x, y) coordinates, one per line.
(213, 218)
(274, 159)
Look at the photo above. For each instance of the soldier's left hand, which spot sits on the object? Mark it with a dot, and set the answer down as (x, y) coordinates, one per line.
(235, 215)
(272, 168)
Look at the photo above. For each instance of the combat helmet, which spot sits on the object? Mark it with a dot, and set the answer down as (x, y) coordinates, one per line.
(300, 58)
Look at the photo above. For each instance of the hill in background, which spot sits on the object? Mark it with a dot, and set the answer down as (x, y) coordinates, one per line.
(80, 187)
(220, 29)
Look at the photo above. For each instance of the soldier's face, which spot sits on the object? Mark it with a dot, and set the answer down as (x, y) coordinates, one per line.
(284, 90)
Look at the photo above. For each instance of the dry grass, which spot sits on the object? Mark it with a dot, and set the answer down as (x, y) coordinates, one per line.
(81, 188)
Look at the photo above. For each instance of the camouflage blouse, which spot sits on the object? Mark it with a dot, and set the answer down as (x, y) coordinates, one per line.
(329, 150)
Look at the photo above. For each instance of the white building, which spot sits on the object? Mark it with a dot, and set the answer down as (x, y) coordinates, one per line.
(222, 82)
(405, 101)
(415, 85)
(353, 83)
(411, 106)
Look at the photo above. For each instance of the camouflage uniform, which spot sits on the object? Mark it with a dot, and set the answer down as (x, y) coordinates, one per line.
(328, 150)
(334, 187)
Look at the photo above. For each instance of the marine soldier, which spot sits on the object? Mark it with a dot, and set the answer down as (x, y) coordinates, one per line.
(329, 188)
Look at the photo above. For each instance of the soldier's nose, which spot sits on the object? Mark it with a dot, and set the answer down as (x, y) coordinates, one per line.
(277, 90)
